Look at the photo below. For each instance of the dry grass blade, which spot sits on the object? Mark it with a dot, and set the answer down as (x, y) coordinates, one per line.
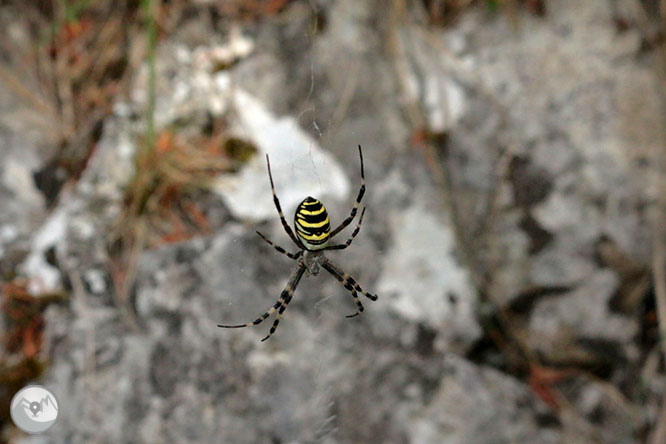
(70, 63)
(659, 219)
(659, 276)
(21, 344)
(160, 203)
(25, 93)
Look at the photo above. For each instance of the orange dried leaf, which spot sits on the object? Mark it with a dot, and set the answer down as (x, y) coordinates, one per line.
(164, 142)
(31, 341)
(198, 216)
(540, 380)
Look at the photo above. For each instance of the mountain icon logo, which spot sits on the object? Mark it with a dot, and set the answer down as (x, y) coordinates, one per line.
(34, 409)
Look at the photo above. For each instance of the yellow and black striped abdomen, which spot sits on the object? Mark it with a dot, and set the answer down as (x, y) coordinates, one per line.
(312, 225)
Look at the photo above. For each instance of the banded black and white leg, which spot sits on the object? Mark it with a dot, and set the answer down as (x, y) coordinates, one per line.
(280, 249)
(276, 201)
(280, 305)
(349, 283)
(351, 238)
(354, 210)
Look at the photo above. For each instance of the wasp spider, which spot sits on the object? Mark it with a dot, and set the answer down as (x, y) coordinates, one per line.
(313, 232)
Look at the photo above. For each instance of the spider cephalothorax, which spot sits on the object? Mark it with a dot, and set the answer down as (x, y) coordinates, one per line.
(313, 232)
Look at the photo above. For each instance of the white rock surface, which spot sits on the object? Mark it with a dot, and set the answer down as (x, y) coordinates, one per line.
(422, 281)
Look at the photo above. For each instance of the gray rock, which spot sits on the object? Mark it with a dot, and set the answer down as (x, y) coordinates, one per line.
(559, 109)
(476, 405)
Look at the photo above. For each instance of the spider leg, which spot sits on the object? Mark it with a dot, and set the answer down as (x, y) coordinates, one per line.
(280, 249)
(260, 319)
(346, 279)
(349, 241)
(349, 283)
(286, 226)
(277, 318)
(342, 279)
(358, 200)
(281, 304)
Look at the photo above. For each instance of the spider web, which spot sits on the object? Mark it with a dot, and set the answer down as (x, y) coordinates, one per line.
(326, 429)
(306, 294)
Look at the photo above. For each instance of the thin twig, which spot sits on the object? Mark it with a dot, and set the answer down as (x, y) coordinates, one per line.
(659, 275)
(149, 7)
(24, 93)
(417, 117)
(658, 217)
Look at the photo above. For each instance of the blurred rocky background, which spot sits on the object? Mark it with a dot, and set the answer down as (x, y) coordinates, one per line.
(514, 232)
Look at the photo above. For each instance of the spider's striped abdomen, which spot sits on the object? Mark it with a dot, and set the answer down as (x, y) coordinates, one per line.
(312, 225)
